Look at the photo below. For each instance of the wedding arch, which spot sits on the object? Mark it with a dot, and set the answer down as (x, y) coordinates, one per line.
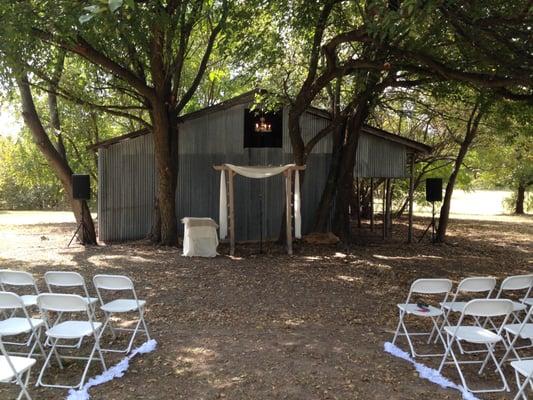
(227, 196)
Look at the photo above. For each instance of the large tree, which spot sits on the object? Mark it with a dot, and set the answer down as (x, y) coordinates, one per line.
(155, 52)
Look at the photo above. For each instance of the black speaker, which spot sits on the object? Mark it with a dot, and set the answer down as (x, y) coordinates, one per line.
(434, 189)
(81, 187)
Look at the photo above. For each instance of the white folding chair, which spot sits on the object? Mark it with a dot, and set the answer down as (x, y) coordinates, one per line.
(524, 368)
(69, 279)
(25, 325)
(20, 278)
(475, 334)
(13, 369)
(514, 332)
(513, 284)
(466, 288)
(69, 330)
(120, 306)
(423, 287)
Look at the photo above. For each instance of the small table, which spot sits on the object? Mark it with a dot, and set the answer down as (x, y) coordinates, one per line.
(200, 238)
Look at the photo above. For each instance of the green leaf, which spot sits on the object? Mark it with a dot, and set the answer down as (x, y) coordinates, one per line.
(114, 5)
(86, 18)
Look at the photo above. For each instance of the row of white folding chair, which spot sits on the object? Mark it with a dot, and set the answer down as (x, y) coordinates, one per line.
(69, 329)
(66, 330)
(486, 285)
(10, 278)
(53, 279)
(440, 316)
(479, 334)
(71, 279)
(477, 285)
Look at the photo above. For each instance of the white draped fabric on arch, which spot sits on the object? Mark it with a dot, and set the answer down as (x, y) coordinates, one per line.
(260, 172)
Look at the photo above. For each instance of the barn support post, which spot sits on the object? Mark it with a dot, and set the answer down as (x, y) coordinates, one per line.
(231, 202)
(358, 202)
(389, 207)
(384, 210)
(411, 189)
(288, 209)
(372, 204)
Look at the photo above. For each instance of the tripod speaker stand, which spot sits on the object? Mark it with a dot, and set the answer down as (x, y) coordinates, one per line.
(81, 190)
(433, 194)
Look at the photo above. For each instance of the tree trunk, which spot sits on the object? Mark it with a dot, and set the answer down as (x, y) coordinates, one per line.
(167, 173)
(520, 198)
(55, 122)
(471, 131)
(55, 160)
(341, 220)
(326, 200)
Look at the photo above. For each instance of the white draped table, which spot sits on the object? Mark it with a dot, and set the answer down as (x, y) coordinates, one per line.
(259, 172)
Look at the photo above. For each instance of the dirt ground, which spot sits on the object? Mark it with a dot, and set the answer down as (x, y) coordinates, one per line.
(272, 326)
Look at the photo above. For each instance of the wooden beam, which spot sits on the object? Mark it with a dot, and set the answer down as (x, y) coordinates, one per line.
(358, 203)
(383, 209)
(288, 209)
(293, 168)
(411, 190)
(372, 204)
(231, 212)
(389, 207)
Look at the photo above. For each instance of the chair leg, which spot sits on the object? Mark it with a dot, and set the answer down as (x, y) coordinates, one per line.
(136, 330)
(53, 351)
(498, 368)
(144, 325)
(397, 329)
(522, 387)
(130, 344)
(86, 369)
(458, 368)
(463, 379)
(448, 346)
(24, 386)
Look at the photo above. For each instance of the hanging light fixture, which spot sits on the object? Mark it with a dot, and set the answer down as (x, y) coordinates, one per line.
(262, 126)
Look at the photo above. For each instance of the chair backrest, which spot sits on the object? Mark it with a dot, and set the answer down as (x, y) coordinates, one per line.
(488, 308)
(431, 286)
(477, 284)
(62, 303)
(16, 278)
(112, 282)
(10, 300)
(65, 279)
(517, 282)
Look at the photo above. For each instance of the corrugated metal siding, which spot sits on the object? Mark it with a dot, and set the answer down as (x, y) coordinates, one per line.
(380, 158)
(126, 189)
(127, 178)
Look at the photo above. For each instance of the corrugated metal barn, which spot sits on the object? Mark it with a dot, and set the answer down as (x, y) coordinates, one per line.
(213, 136)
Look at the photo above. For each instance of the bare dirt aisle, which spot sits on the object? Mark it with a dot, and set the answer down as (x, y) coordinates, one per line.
(310, 326)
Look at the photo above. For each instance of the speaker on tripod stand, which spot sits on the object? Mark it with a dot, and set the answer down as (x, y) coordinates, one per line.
(81, 190)
(433, 194)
